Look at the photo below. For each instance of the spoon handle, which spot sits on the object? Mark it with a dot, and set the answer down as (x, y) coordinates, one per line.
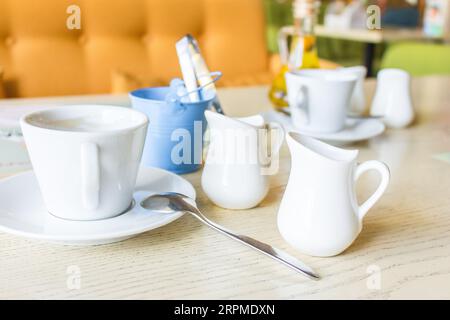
(264, 248)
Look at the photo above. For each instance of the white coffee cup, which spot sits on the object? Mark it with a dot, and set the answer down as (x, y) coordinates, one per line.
(85, 158)
(319, 99)
(392, 98)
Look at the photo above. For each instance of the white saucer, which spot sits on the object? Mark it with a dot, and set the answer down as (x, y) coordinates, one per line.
(355, 129)
(22, 211)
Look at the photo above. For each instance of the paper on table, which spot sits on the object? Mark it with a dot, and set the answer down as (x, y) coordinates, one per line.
(10, 116)
(443, 157)
(13, 157)
(187, 69)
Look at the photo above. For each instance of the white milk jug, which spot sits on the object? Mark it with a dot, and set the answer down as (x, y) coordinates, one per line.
(237, 165)
(319, 214)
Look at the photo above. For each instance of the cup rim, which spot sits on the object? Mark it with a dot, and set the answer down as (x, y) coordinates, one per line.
(142, 119)
(359, 69)
(396, 72)
(320, 75)
(137, 94)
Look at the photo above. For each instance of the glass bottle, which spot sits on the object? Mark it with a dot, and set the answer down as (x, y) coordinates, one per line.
(297, 47)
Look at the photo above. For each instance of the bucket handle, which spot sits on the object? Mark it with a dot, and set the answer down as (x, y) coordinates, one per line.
(215, 75)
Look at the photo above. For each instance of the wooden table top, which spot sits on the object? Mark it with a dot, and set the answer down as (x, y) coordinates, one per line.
(402, 252)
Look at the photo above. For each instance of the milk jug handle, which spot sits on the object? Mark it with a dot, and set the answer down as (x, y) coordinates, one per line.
(278, 140)
(271, 159)
(383, 170)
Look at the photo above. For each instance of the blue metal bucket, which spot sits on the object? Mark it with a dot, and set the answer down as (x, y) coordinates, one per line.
(176, 127)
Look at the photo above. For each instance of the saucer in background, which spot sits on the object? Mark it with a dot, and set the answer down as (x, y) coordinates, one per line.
(355, 129)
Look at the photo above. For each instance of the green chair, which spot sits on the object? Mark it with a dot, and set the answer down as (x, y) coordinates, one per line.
(419, 59)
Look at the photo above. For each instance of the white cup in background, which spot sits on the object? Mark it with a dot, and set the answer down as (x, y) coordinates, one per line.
(85, 158)
(319, 99)
(392, 98)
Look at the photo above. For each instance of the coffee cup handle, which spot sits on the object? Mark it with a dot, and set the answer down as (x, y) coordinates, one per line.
(300, 101)
(90, 175)
(383, 170)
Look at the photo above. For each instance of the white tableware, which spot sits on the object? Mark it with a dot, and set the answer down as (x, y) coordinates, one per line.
(392, 98)
(319, 214)
(358, 101)
(23, 213)
(319, 99)
(354, 130)
(237, 165)
(85, 158)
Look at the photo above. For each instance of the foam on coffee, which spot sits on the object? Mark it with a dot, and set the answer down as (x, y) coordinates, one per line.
(83, 119)
(74, 124)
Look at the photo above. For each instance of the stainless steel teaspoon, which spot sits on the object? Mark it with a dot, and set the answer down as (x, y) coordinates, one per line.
(171, 202)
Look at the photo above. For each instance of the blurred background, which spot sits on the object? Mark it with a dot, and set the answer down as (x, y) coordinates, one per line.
(417, 21)
(59, 47)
